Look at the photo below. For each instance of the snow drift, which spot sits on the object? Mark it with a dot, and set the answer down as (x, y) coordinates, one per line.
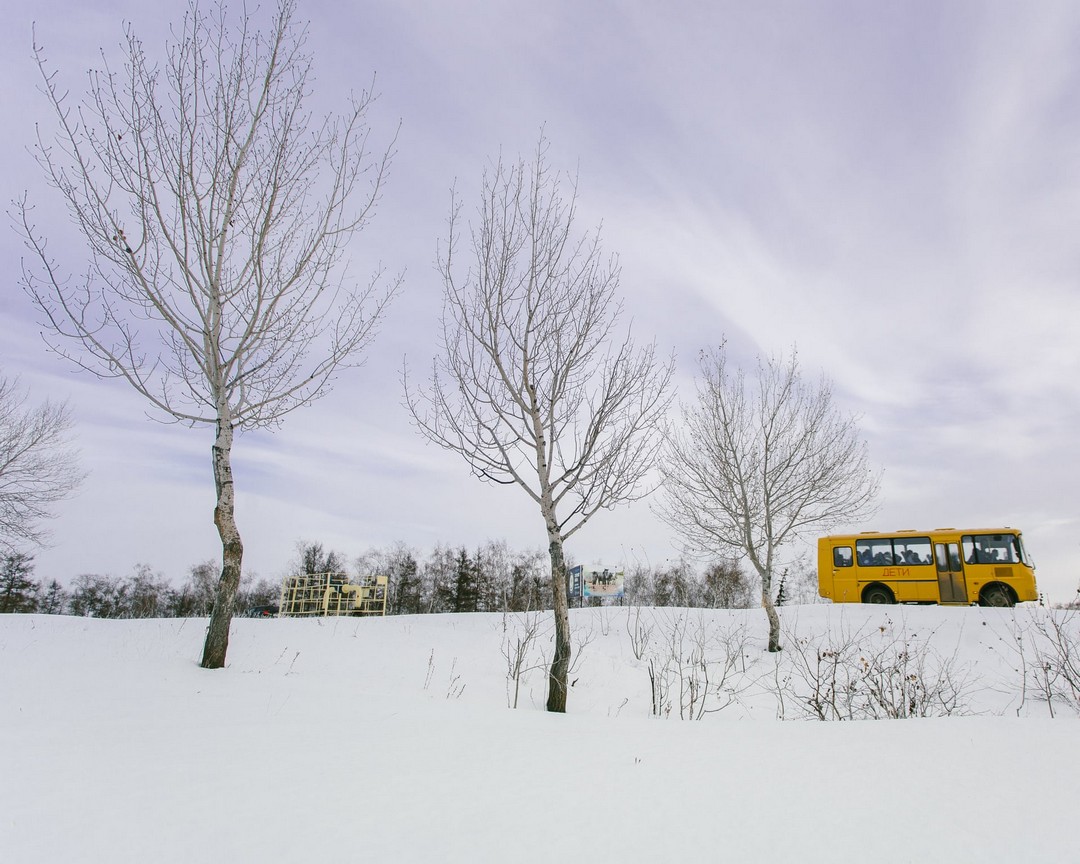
(392, 739)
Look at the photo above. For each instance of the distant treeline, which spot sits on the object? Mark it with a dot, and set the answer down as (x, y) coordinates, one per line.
(491, 578)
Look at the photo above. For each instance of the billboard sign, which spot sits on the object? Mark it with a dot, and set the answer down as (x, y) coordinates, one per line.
(602, 583)
(574, 589)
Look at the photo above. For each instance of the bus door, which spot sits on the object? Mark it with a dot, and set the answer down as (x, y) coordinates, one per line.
(950, 573)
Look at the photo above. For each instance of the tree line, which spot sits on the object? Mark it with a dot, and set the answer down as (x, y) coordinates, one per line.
(448, 579)
(143, 593)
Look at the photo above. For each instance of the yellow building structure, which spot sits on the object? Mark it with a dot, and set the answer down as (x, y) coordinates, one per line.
(325, 594)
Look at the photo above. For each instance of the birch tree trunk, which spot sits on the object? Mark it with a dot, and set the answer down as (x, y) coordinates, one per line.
(560, 663)
(763, 564)
(770, 613)
(232, 551)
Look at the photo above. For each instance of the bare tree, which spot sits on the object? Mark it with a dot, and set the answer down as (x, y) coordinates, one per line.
(755, 465)
(535, 388)
(147, 594)
(38, 465)
(96, 596)
(726, 586)
(195, 597)
(216, 212)
(311, 558)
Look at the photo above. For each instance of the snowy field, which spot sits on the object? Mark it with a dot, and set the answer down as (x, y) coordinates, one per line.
(393, 740)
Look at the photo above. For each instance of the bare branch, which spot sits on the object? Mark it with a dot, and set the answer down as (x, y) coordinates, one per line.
(38, 465)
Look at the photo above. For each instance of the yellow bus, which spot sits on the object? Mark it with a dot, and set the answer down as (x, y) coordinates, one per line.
(988, 566)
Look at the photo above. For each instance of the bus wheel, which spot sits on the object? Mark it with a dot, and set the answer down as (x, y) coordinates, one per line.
(878, 594)
(996, 595)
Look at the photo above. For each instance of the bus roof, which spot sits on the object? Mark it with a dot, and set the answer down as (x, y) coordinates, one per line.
(925, 532)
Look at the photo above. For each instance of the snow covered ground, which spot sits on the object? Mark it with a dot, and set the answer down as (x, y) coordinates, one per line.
(392, 740)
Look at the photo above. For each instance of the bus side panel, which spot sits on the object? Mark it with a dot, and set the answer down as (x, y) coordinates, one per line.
(912, 584)
(1017, 576)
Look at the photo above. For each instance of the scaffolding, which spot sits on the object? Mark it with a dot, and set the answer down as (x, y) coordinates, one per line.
(332, 594)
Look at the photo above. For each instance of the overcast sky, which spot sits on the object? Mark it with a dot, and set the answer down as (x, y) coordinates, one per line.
(895, 188)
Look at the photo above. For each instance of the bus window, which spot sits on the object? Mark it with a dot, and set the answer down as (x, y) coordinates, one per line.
(841, 556)
(954, 558)
(912, 550)
(874, 553)
(948, 561)
(990, 549)
(942, 560)
(1022, 552)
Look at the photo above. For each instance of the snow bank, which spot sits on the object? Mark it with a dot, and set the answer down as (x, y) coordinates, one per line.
(391, 740)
